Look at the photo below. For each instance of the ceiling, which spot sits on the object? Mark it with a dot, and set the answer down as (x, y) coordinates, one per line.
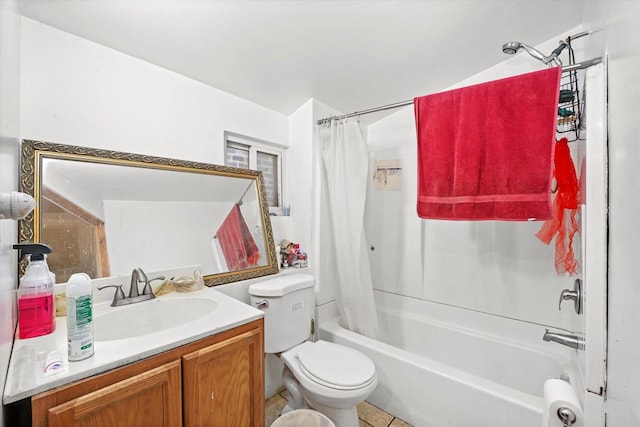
(350, 55)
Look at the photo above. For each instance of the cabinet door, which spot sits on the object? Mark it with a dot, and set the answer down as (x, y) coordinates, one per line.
(150, 399)
(224, 383)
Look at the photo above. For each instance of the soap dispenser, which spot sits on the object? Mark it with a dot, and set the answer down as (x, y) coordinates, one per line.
(36, 306)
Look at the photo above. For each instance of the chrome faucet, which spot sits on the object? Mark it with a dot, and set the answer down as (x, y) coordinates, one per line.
(572, 341)
(137, 276)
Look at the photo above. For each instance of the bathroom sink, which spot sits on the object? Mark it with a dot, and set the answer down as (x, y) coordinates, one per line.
(143, 318)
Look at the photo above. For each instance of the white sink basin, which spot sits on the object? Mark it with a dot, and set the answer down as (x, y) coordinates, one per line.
(147, 317)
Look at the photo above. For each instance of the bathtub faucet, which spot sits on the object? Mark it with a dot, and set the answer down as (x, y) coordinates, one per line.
(572, 341)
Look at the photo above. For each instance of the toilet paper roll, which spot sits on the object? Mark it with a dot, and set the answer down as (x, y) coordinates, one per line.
(559, 394)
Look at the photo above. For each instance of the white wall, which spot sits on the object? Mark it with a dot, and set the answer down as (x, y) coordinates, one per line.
(619, 38)
(298, 178)
(9, 151)
(495, 267)
(77, 92)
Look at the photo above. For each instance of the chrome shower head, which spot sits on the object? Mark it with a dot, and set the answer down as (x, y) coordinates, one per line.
(511, 48)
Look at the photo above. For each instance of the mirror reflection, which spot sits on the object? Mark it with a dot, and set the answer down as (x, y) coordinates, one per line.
(105, 213)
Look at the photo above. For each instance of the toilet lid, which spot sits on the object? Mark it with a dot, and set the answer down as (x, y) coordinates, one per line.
(336, 366)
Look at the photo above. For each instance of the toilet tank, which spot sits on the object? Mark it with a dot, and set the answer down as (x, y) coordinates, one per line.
(288, 310)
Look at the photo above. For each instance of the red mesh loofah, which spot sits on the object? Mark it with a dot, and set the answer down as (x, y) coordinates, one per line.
(563, 225)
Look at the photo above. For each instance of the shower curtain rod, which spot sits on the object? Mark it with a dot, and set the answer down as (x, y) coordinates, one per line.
(239, 202)
(565, 69)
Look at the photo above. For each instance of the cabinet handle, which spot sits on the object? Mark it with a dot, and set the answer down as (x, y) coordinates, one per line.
(212, 394)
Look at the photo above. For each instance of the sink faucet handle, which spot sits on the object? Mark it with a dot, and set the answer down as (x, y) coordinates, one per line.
(147, 286)
(117, 296)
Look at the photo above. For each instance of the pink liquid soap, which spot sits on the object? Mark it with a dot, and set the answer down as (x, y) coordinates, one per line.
(36, 315)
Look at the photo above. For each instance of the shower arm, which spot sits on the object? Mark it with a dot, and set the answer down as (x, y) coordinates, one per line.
(512, 48)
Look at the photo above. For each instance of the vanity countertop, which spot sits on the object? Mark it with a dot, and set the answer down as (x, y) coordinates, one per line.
(25, 375)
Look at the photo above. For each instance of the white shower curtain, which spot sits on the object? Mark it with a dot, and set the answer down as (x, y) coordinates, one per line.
(344, 174)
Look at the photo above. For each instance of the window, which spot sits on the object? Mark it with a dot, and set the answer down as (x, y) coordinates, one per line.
(249, 153)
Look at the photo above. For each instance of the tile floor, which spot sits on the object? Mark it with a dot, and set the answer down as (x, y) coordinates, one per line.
(369, 415)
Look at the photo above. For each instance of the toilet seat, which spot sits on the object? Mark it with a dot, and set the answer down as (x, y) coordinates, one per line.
(330, 378)
(335, 366)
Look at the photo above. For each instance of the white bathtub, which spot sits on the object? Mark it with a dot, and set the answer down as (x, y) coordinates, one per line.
(436, 371)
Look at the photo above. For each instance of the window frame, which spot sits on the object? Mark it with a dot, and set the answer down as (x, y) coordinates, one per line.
(254, 146)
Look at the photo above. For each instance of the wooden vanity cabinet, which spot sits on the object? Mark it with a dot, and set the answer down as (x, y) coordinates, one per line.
(221, 386)
(216, 381)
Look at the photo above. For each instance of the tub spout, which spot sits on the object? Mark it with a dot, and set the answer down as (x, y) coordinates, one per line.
(572, 341)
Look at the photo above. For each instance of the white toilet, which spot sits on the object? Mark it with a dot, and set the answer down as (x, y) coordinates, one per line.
(327, 377)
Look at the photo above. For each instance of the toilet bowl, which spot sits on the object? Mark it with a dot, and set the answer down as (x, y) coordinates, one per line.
(327, 377)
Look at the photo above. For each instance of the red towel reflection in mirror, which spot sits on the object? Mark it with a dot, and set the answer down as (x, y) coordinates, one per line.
(238, 247)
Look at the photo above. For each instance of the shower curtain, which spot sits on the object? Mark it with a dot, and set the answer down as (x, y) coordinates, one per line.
(344, 174)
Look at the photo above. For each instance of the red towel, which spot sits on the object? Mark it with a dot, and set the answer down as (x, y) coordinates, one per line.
(485, 151)
(238, 247)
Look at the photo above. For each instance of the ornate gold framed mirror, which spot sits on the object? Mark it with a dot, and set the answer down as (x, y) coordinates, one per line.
(106, 212)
